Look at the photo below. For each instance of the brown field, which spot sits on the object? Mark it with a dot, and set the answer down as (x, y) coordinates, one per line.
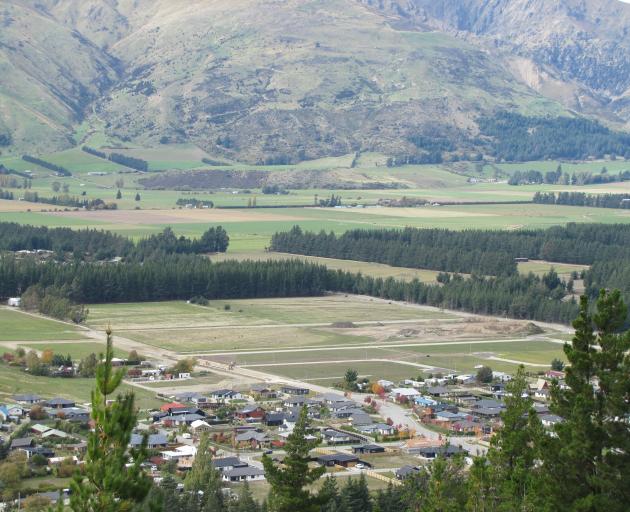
(183, 216)
(422, 212)
(22, 206)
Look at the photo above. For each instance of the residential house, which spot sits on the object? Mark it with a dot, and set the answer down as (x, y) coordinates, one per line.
(53, 432)
(432, 452)
(329, 399)
(274, 419)
(180, 453)
(249, 413)
(153, 441)
(39, 429)
(251, 439)
(377, 428)
(467, 427)
(385, 384)
(264, 392)
(368, 448)
(406, 472)
(242, 474)
(11, 412)
(425, 401)
(291, 390)
(339, 437)
(200, 426)
(225, 395)
(338, 459)
(360, 418)
(21, 443)
(60, 403)
(438, 391)
(408, 393)
(27, 399)
(181, 419)
(550, 420)
(228, 463)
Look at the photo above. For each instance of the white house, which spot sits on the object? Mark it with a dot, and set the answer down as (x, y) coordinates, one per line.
(181, 452)
(242, 474)
(410, 393)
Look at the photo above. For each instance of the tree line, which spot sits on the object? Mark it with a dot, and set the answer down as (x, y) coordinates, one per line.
(469, 251)
(162, 277)
(127, 161)
(62, 171)
(520, 138)
(582, 199)
(558, 177)
(70, 201)
(98, 245)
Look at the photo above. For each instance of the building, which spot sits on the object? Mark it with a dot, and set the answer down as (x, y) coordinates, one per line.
(291, 390)
(274, 419)
(382, 429)
(368, 448)
(27, 399)
(339, 437)
(199, 426)
(153, 441)
(250, 413)
(228, 463)
(406, 472)
(338, 459)
(60, 403)
(242, 474)
(14, 302)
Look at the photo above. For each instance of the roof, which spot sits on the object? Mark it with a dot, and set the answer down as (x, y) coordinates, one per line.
(199, 423)
(335, 433)
(56, 433)
(60, 401)
(22, 442)
(407, 471)
(244, 471)
(369, 447)
(437, 390)
(274, 416)
(40, 429)
(153, 440)
(26, 398)
(226, 462)
(249, 436)
(405, 391)
(171, 405)
(341, 457)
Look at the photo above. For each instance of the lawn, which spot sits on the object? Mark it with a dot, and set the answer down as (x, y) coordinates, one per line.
(76, 350)
(18, 326)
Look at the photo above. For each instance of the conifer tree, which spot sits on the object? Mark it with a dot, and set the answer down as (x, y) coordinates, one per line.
(329, 495)
(203, 481)
(289, 482)
(113, 479)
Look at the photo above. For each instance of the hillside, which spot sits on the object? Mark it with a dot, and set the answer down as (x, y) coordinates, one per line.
(277, 81)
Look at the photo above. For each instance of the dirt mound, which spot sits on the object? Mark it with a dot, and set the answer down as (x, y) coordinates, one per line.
(408, 333)
(530, 329)
(343, 325)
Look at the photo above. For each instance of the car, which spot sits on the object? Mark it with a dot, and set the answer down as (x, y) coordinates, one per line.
(360, 466)
(268, 452)
(186, 435)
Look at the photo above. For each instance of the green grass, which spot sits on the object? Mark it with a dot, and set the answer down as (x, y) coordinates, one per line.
(18, 326)
(541, 267)
(14, 380)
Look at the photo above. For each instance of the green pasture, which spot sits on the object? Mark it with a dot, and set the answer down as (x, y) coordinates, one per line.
(75, 350)
(18, 326)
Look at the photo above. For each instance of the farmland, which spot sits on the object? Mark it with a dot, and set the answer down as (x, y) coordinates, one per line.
(318, 338)
(18, 326)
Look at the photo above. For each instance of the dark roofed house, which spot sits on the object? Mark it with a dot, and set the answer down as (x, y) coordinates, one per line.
(22, 442)
(368, 448)
(60, 403)
(438, 391)
(406, 472)
(431, 452)
(274, 419)
(338, 459)
(27, 399)
(153, 441)
(250, 412)
(337, 437)
(291, 390)
(228, 463)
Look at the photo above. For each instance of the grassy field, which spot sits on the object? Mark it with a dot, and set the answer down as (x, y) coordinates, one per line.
(18, 326)
(13, 380)
(75, 350)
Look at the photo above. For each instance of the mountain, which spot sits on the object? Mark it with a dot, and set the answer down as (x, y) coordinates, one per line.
(287, 80)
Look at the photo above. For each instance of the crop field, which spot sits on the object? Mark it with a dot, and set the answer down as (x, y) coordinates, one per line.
(18, 326)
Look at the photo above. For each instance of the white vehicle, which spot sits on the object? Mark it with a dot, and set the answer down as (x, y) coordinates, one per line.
(186, 435)
(360, 466)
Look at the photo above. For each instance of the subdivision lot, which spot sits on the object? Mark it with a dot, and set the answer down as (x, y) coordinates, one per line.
(75, 350)
(18, 326)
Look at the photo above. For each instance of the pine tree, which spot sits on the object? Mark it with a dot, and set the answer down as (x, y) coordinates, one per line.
(355, 496)
(203, 482)
(587, 460)
(137, 198)
(119, 194)
(245, 502)
(289, 492)
(329, 495)
(109, 483)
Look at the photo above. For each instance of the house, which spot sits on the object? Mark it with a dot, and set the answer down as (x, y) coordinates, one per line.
(542, 394)
(171, 406)
(338, 459)
(242, 474)
(368, 448)
(13, 412)
(501, 376)
(199, 426)
(21, 443)
(449, 417)
(425, 401)
(251, 439)
(330, 399)
(27, 399)
(264, 392)
(346, 412)
(153, 441)
(432, 452)
(338, 437)
(406, 472)
(224, 395)
(182, 419)
(39, 429)
(192, 397)
(297, 401)
(228, 463)
(467, 427)
(250, 413)
(377, 428)
(550, 420)
(74, 414)
(385, 384)
(181, 452)
(438, 391)
(415, 445)
(291, 390)
(404, 394)
(360, 418)
(554, 374)
(53, 432)
(274, 419)
(60, 403)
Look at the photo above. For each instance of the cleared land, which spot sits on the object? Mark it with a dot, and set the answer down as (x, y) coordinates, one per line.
(318, 338)
(18, 326)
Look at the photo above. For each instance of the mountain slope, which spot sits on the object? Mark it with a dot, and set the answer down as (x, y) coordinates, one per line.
(284, 80)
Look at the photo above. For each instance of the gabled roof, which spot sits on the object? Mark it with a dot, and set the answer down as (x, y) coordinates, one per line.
(228, 462)
(60, 401)
(153, 440)
(244, 471)
(22, 442)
